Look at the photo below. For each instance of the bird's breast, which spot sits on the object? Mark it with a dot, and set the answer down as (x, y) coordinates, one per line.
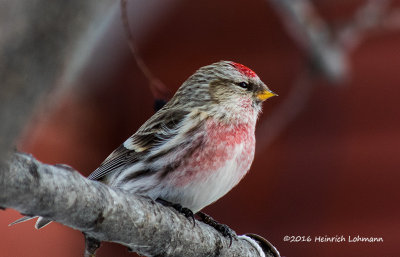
(215, 167)
(226, 154)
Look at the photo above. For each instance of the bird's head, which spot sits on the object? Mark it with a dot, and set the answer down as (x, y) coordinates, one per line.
(224, 88)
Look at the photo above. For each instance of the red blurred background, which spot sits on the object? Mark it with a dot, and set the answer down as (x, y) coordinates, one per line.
(332, 171)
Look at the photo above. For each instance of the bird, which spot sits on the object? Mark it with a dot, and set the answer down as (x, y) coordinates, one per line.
(198, 146)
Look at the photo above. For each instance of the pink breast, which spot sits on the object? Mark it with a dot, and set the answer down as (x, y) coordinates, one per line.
(223, 144)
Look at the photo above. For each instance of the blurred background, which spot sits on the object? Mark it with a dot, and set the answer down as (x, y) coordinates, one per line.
(327, 160)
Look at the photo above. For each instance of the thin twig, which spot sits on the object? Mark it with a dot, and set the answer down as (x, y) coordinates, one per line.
(313, 35)
(369, 16)
(328, 53)
(157, 87)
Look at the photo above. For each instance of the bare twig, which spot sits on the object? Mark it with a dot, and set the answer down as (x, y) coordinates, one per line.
(312, 34)
(59, 193)
(328, 53)
(369, 16)
(158, 89)
(325, 58)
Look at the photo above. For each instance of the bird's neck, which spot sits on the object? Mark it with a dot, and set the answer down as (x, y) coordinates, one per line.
(236, 115)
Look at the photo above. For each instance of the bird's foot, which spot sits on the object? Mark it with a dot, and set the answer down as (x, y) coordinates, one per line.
(185, 211)
(91, 245)
(222, 228)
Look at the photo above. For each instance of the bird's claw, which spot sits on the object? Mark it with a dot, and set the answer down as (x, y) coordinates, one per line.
(222, 228)
(226, 232)
(185, 211)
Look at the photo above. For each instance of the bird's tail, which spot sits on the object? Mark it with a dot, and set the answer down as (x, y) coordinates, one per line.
(40, 223)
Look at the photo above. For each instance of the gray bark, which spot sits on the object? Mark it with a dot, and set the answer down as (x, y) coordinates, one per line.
(61, 194)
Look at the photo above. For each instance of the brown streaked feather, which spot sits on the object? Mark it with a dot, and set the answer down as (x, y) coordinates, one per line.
(117, 159)
(159, 128)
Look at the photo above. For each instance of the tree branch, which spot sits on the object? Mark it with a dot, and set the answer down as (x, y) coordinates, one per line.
(311, 32)
(373, 14)
(60, 193)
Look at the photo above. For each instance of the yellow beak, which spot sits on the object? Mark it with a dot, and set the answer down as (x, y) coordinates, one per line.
(265, 94)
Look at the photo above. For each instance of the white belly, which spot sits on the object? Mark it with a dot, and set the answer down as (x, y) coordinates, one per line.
(205, 190)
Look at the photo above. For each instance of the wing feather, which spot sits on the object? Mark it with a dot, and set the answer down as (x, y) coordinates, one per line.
(156, 131)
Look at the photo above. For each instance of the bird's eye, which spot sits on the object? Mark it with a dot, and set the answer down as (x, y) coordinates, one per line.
(243, 85)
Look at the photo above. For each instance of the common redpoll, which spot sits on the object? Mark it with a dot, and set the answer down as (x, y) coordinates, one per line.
(198, 146)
